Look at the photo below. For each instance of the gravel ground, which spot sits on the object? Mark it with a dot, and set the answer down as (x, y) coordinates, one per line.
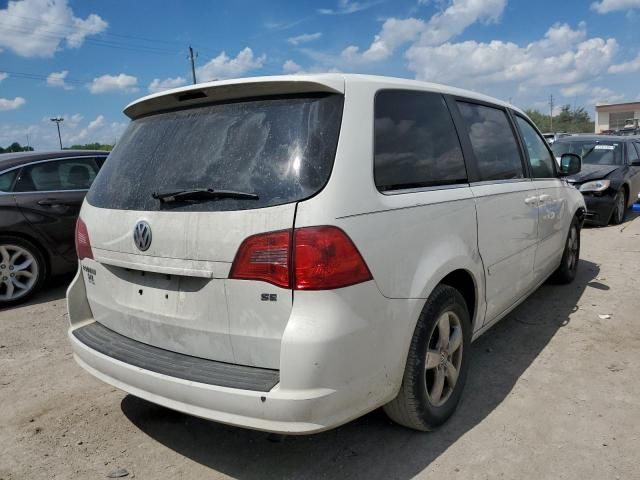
(553, 392)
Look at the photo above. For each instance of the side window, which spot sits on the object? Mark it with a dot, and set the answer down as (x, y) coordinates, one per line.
(415, 143)
(540, 159)
(100, 161)
(6, 180)
(71, 174)
(633, 154)
(493, 142)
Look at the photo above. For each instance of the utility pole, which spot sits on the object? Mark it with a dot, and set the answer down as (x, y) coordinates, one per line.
(551, 113)
(193, 66)
(58, 120)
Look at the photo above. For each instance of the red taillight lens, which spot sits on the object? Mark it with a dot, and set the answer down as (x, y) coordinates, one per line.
(83, 245)
(264, 257)
(326, 258)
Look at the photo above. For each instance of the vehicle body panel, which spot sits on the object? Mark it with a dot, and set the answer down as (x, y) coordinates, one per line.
(46, 218)
(600, 205)
(341, 352)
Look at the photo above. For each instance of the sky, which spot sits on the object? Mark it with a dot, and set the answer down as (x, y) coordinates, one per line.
(86, 60)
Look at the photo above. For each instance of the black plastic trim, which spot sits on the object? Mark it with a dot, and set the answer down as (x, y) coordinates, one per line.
(98, 337)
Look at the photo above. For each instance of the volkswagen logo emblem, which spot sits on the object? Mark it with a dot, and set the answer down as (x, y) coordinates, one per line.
(142, 235)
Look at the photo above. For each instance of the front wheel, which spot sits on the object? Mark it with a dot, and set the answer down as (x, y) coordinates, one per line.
(620, 208)
(566, 272)
(22, 270)
(437, 364)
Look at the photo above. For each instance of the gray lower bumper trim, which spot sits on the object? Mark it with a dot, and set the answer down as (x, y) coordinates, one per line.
(211, 372)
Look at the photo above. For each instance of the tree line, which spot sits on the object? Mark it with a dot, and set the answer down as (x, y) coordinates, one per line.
(571, 120)
(16, 147)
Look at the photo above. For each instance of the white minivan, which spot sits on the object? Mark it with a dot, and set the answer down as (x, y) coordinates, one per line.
(288, 253)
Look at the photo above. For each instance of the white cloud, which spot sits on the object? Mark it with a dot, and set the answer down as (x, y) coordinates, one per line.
(44, 136)
(626, 67)
(440, 28)
(562, 57)
(3, 76)
(346, 7)
(38, 28)
(394, 33)
(57, 79)
(304, 38)
(97, 123)
(222, 66)
(594, 94)
(458, 16)
(6, 104)
(291, 67)
(158, 85)
(575, 90)
(604, 95)
(108, 83)
(606, 6)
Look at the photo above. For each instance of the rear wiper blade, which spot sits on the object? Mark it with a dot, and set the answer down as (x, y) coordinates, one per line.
(166, 196)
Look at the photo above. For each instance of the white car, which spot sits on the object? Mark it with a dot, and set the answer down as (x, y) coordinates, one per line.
(288, 253)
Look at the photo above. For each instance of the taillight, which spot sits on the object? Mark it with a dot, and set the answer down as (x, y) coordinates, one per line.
(322, 258)
(264, 257)
(326, 258)
(83, 245)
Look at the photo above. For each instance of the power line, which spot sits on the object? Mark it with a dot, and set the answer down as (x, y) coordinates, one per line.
(90, 30)
(93, 41)
(39, 76)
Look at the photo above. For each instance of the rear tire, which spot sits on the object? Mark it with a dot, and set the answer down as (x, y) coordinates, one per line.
(22, 270)
(566, 272)
(437, 364)
(620, 208)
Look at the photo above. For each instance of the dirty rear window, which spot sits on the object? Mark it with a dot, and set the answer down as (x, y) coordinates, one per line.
(280, 148)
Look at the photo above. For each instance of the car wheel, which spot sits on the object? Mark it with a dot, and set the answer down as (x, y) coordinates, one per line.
(566, 272)
(22, 270)
(437, 364)
(620, 208)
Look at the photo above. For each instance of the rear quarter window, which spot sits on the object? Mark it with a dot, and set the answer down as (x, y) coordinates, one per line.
(6, 180)
(415, 144)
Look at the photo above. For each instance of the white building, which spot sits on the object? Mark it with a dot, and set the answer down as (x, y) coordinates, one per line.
(615, 116)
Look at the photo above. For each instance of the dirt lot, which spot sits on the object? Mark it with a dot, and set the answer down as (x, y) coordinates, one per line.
(553, 392)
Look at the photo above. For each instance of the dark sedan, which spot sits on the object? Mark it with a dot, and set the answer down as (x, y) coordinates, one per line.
(40, 198)
(610, 175)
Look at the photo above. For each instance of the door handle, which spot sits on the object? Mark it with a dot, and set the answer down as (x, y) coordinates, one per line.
(50, 202)
(531, 200)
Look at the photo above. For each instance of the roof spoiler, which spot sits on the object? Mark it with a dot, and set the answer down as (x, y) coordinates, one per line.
(231, 90)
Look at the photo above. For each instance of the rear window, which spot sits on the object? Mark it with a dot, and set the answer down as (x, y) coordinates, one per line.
(281, 149)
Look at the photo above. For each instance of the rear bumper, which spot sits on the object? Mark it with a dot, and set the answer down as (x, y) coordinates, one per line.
(274, 411)
(331, 372)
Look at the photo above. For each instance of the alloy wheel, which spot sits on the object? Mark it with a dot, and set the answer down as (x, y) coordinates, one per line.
(18, 272)
(444, 358)
(572, 248)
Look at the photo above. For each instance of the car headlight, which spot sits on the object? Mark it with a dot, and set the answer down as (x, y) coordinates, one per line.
(595, 186)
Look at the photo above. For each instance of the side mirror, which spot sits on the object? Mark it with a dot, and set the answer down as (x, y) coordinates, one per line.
(635, 163)
(570, 164)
